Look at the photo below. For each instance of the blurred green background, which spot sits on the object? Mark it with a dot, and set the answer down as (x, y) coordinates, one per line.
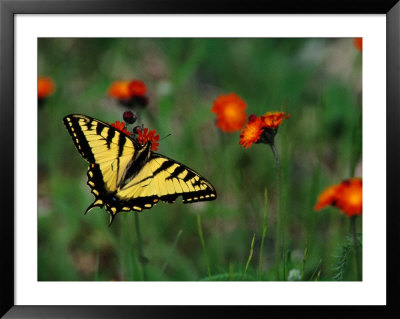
(317, 81)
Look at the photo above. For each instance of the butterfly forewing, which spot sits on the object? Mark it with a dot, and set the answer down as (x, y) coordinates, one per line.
(100, 143)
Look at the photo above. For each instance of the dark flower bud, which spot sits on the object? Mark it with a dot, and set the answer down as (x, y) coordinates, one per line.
(129, 117)
(137, 129)
(252, 117)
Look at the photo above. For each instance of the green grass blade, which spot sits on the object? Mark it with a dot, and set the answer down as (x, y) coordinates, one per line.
(264, 233)
(250, 255)
(316, 269)
(171, 251)
(203, 244)
(303, 264)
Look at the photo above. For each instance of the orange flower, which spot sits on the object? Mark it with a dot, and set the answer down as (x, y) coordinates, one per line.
(45, 87)
(230, 110)
(261, 129)
(327, 197)
(251, 132)
(347, 196)
(273, 119)
(358, 43)
(120, 90)
(148, 136)
(120, 126)
(137, 88)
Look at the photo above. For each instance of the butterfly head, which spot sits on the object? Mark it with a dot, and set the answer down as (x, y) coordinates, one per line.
(147, 138)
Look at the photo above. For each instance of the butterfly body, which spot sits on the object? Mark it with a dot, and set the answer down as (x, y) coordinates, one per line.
(124, 175)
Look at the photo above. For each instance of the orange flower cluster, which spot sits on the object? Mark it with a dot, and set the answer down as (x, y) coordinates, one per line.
(137, 88)
(273, 119)
(120, 126)
(125, 90)
(45, 87)
(144, 135)
(347, 196)
(251, 133)
(148, 136)
(358, 43)
(231, 112)
(119, 90)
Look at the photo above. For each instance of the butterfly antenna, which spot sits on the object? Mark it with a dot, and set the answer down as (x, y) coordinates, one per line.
(165, 136)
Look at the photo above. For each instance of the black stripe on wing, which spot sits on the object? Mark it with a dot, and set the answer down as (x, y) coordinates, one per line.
(79, 131)
(78, 137)
(163, 167)
(191, 177)
(110, 136)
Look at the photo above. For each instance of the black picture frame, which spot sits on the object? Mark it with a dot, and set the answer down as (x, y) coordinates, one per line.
(8, 10)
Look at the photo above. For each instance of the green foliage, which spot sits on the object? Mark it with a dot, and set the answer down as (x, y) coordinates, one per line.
(343, 259)
(250, 255)
(316, 81)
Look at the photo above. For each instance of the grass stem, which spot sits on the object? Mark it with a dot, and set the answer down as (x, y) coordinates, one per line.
(303, 264)
(142, 259)
(317, 269)
(264, 233)
(171, 251)
(250, 256)
(203, 244)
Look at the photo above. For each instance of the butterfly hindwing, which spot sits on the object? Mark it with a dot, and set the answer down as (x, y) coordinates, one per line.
(165, 179)
(124, 175)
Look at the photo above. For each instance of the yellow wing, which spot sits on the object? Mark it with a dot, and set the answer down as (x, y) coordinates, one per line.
(162, 178)
(125, 176)
(102, 144)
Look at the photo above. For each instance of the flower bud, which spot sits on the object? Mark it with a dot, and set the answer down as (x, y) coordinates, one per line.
(137, 129)
(129, 117)
(252, 117)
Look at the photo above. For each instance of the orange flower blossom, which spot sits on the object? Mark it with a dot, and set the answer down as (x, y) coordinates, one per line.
(358, 43)
(148, 136)
(45, 87)
(124, 90)
(347, 196)
(120, 126)
(273, 119)
(120, 90)
(137, 88)
(231, 112)
(261, 129)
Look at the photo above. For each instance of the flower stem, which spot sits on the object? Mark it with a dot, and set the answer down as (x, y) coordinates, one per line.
(280, 237)
(276, 157)
(356, 249)
(140, 246)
